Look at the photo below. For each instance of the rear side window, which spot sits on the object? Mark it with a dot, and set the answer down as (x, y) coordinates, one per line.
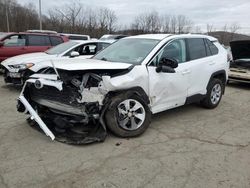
(196, 48)
(211, 47)
(56, 40)
(38, 40)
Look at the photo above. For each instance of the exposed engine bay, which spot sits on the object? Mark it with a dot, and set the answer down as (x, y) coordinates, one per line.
(72, 107)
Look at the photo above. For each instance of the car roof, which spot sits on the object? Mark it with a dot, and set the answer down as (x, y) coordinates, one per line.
(92, 41)
(151, 36)
(163, 36)
(34, 33)
(69, 34)
(198, 36)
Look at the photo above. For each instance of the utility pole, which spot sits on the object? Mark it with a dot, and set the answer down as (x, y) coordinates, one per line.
(7, 16)
(40, 14)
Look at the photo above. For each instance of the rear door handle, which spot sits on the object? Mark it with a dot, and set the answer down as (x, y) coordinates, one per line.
(186, 72)
(212, 63)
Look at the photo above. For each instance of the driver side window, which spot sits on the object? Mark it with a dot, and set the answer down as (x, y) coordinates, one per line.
(173, 50)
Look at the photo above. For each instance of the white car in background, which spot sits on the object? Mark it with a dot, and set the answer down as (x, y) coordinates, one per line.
(17, 69)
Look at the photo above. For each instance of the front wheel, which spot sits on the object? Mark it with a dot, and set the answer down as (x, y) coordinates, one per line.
(128, 115)
(214, 94)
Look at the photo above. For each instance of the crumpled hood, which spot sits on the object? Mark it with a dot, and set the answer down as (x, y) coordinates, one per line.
(27, 58)
(240, 49)
(88, 64)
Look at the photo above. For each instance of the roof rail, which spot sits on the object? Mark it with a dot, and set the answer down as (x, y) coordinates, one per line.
(42, 31)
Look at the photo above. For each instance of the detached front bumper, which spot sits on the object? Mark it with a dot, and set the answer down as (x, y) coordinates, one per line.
(35, 116)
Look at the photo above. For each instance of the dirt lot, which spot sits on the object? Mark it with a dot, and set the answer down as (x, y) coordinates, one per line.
(185, 147)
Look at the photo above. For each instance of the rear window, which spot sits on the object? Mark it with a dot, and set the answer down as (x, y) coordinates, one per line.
(213, 50)
(56, 40)
(38, 40)
(196, 48)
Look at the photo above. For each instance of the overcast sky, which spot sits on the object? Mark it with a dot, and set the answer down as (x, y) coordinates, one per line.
(201, 12)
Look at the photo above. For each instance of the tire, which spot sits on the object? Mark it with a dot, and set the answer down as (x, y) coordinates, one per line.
(117, 115)
(214, 94)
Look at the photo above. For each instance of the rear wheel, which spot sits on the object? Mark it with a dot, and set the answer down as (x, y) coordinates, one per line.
(214, 94)
(128, 115)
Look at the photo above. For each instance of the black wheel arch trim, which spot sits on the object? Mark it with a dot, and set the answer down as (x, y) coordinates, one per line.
(216, 74)
(134, 90)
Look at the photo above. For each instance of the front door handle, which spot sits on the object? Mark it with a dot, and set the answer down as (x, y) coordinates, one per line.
(212, 63)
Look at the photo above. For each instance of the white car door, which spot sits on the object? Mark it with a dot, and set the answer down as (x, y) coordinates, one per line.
(201, 66)
(169, 90)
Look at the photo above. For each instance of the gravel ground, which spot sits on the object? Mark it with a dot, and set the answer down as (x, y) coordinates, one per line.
(185, 147)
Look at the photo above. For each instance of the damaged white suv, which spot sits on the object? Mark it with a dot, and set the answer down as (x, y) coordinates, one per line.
(123, 85)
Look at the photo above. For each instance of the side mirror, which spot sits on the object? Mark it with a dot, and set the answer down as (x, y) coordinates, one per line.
(167, 65)
(1, 43)
(165, 69)
(173, 63)
(74, 54)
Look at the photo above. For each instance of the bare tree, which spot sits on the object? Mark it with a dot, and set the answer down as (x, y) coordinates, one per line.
(173, 25)
(147, 23)
(197, 29)
(224, 34)
(70, 14)
(111, 19)
(233, 29)
(106, 20)
(166, 23)
(210, 28)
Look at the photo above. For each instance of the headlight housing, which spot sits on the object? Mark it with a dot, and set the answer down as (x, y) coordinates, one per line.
(21, 66)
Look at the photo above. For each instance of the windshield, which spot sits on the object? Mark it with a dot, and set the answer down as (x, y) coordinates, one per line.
(129, 50)
(61, 48)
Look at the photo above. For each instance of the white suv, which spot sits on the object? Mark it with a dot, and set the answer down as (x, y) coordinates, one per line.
(124, 84)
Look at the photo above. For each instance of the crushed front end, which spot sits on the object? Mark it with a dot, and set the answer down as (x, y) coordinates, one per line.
(69, 109)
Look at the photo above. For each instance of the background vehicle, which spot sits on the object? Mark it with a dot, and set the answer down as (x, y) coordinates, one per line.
(123, 84)
(76, 36)
(14, 44)
(113, 37)
(17, 69)
(240, 65)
